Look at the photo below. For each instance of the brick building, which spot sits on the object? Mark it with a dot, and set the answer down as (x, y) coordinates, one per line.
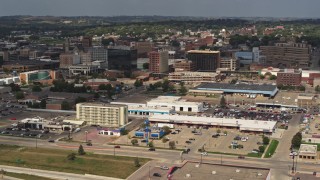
(184, 66)
(204, 60)
(289, 77)
(158, 62)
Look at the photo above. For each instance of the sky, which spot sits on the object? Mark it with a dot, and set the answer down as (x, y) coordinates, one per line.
(204, 8)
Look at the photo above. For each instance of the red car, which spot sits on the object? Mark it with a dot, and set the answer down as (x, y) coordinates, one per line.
(117, 146)
(13, 119)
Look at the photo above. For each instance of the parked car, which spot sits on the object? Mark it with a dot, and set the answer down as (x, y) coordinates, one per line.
(117, 146)
(186, 151)
(152, 149)
(241, 157)
(188, 142)
(143, 141)
(173, 132)
(164, 167)
(156, 174)
(192, 139)
(204, 153)
(51, 141)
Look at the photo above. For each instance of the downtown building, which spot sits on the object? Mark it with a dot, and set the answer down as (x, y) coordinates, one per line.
(287, 55)
(158, 62)
(204, 60)
(290, 77)
(109, 115)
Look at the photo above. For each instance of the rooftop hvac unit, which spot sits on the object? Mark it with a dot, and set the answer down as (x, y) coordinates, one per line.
(213, 172)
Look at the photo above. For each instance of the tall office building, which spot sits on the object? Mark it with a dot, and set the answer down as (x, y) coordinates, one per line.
(86, 42)
(158, 61)
(290, 55)
(122, 59)
(204, 60)
(110, 115)
(69, 59)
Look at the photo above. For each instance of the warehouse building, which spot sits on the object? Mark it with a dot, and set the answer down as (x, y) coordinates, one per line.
(223, 88)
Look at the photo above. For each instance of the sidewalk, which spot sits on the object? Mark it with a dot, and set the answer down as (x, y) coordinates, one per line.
(54, 174)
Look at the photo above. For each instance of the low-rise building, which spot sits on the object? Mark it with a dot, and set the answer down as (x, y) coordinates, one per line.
(110, 115)
(184, 66)
(289, 77)
(83, 69)
(230, 64)
(41, 76)
(308, 152)
(193, 77)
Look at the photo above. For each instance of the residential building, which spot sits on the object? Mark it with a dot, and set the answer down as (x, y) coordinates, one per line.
(158, 61)
(204, 60)
(69, 59)
(184, 66)
(193, 77)
(290, 55)
(229, 64)
(289, 77)
(109, 115)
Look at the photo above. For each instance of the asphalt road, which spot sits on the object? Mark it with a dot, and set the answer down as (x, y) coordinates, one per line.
(278, 166)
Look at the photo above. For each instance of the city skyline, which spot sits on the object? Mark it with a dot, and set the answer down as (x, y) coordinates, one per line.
(204, 8)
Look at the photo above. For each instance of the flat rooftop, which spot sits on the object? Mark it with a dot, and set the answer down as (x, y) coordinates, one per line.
(225, 86)
(102, 105)
(219, 172)
(308, 149)
(203, 52)
(244, 125)
(170, 99)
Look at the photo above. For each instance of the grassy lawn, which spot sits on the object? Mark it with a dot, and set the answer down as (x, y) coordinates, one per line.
(256, 155)
(56, 160)
(232, 154)
(271, 149)
(25, 176)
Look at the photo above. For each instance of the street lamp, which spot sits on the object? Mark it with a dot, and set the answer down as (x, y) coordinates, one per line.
(149, 173)
(294, 167)
(86, 136)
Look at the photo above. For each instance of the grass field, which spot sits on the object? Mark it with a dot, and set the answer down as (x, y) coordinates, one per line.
(56, 160)
(25, 176)
(271, 149)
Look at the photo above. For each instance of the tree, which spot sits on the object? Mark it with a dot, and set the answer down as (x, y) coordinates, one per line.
(150, 144)
(218, 131)
(138, 83)
(145, 65)
(81, 150)
(15, 87)
(96, 95)
(261, 149)
(183, 90)
(301, 88)
(273, 77)
(134, 142)
(265, 140)
(296, 140)
(261, 76)
(158, 84)
(233, 81)
(136, 162)
(19, 95)
(222, 102)
(80, 99)
(317, 88)
(71, 156)
(165, 85)
(166, 129)
(172, 145)
(43, 104)
(65, 105)
(36, 89)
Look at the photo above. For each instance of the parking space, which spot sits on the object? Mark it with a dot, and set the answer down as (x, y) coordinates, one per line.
(232, 141)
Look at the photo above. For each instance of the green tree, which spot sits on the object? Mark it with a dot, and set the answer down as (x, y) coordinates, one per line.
(296, 140)
(301, 88)
(261, 149)
(138, 83)
(166, 129)
(158, 84)
(36, 89)
(150, 144)
(81, 150)
(15, 87)
(43, 104)
(273, 77)
(317, 88)
(172, 145)
(19, 95)
(145, 65)
(134, 142)
(136, 162)
(71, 156)
(218, 131)
(262, 76)
(65, 105)
(165, 85)
(183, 90)
(80, 99)
(223, 102)
(265, 140)
(233, 81)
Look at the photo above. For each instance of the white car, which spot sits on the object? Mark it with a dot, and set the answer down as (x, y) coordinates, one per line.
(204, 153)
(164, 167)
